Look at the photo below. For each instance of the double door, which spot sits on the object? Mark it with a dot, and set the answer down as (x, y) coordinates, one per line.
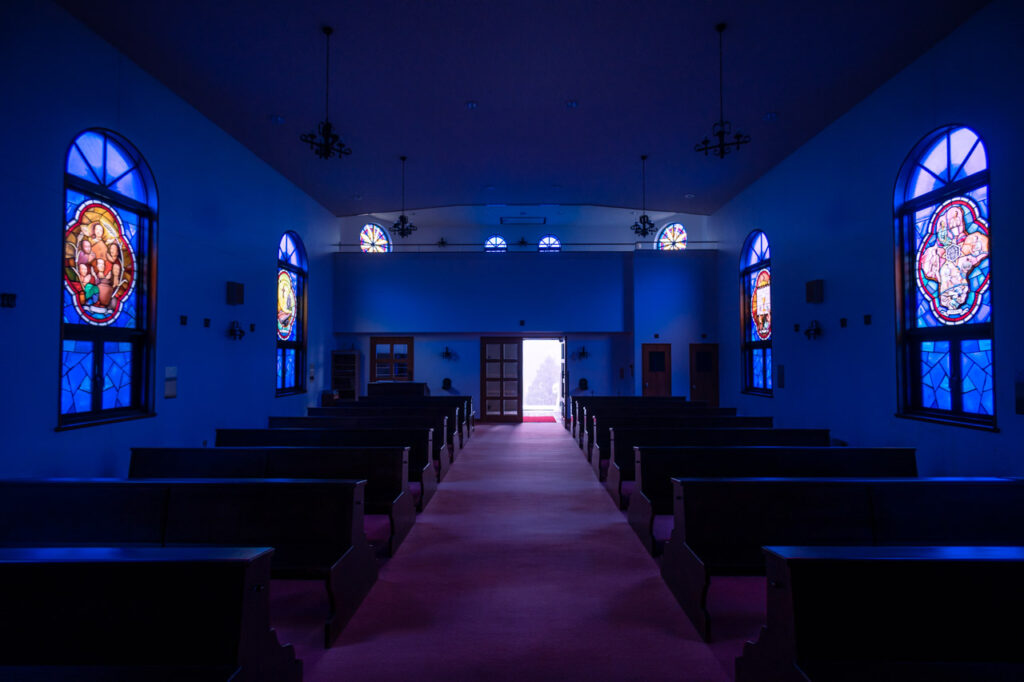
(501, 378)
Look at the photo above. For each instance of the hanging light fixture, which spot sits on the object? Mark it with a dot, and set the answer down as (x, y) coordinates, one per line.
(325, 143)
(722, 130)
(403, 228)
(644, 226)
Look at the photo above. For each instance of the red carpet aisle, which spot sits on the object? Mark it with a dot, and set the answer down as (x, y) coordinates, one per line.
(520, 569)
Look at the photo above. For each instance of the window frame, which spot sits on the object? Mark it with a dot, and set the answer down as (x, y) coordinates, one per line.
(748, 346)
(143, 337)
(495, 244)
(909, 337)
(392, 341)
(299, 345)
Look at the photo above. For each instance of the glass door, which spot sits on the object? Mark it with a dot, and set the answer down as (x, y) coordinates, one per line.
(501, 378)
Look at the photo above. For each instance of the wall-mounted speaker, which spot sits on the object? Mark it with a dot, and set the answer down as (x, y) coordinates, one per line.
(815, 290)
(236, 293)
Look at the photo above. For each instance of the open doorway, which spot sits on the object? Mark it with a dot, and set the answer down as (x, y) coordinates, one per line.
(543, 364)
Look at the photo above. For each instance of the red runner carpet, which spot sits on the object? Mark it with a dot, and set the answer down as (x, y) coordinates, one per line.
(539, 420)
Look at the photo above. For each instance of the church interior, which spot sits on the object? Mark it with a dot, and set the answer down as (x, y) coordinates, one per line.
(613, 341)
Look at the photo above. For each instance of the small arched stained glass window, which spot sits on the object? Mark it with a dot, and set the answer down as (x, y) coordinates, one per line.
(495, 244)
(373, 239)
(549, 243)
(672, 238)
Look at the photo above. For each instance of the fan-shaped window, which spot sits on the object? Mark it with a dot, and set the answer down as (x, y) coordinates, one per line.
(108, 310)
(549, 243)
(944, 281)
(495, 244)
(291, 315)
(756, 288)
(672, 238)
(373, 239)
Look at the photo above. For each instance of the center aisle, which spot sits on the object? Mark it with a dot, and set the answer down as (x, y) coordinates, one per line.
(521, 568)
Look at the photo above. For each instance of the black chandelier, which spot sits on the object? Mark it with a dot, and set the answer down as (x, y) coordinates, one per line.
(403, 228)
(325, 143)
(644, 226)
(723, 129)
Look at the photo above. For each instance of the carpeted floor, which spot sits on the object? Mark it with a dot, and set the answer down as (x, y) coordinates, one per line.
(520, 569)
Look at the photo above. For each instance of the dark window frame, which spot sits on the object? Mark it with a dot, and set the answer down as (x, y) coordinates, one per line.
(392, 341)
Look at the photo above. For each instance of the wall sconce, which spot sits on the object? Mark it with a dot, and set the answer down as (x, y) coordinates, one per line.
(447, 354)
(582, 353)
(813, 330)
(235, 331)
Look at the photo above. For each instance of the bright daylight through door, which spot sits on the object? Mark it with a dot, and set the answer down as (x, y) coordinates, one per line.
(542, 377)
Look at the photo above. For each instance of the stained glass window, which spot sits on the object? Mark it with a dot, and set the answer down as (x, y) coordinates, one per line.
(944, 282)
(756, 288)
(373, 239)
(291, 314)
(107, 311)
(672, 238)
(549, 243)
(495, 243)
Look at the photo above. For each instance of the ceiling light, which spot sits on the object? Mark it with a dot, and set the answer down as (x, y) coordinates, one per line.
(325, 143)
(722, 129)
(644, 226)
(403, 228)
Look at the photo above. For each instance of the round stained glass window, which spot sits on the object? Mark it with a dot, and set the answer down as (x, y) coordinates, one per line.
(672, 238)
(373, 239)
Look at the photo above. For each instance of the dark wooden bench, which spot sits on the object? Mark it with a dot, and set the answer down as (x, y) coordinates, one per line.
(600, 418)
(651, 503)
(390, 389)
(720, 525)
(314, 526)
(422, 467)
(463, 402)
(443, 416)
(441, 452)
(686, 421)
(924, 614)
(390, 507)
(620, 479)
(579, 404)
(139, 613)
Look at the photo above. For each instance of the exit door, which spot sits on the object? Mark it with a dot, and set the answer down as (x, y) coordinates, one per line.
(657, 369)
(501, 378)
(704, 373)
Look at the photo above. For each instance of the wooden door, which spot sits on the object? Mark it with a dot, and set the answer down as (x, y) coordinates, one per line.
(501, 378)
(704, 373)
(657, 369)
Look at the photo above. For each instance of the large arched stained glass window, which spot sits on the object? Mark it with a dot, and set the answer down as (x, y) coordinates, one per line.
(291, 315)
(756, 289)
(672, 238)
(373, 239)
(943, 286)
(108, 309)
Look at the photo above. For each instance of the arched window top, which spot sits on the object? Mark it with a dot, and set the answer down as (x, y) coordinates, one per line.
(291, 252)
(373, 239)
(755, 249)
(672, 237)
(104, 158)
(944, 157)
(549, 243)
(495, 244)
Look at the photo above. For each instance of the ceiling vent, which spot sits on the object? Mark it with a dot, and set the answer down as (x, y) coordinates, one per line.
(524, 220)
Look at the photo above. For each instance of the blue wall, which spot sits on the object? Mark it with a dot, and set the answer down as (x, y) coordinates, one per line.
(222, 211)
(827, 210)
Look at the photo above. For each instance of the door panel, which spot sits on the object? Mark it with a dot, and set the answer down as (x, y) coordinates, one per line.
(501, 379)
(704, 373)
(657, 369)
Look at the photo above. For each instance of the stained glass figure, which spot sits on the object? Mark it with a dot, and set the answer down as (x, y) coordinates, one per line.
(373, 239)
(672, 238)
(291, 291)
(495, 244)
(106, 267)
(549, 243)
(287, 304)
(943, 237)
(761, 304)
(756, 288)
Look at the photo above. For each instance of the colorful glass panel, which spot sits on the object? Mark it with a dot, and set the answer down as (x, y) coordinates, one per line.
(768, 367)
(373, 239)
(100, 269)
(495, 243)
(117, 375)
(289, 368)
(280, 368)
(955, 155)
(976, 368)
(287, 304)
(935, 369)
(76, 377)
(758, 368)
(761, 304)
(952, 265)
(672, 238)
(549, 243)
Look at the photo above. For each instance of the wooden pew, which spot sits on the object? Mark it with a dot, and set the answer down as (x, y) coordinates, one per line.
(720, 525)
(385, 469)
(441, 451)
(422, 468)
(927, 614)
(620, 478)
(139, 613)
(651, 503)
(601, 418)
(580, 403)
(463, 402)
(683, 420)
(443, 416)
(314, 526)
